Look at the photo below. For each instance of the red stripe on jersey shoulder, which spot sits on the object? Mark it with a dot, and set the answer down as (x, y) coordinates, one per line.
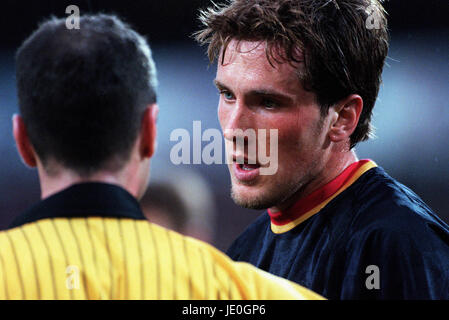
(317, 197)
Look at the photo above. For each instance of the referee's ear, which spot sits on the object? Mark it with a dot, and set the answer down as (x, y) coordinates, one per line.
(148, 131)
(23, 143)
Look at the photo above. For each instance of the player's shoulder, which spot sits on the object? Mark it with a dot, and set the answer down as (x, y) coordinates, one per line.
(386, 207)
(251, 235)
(257, 227)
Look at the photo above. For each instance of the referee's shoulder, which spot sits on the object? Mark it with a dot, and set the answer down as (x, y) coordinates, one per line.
(240, 280)
(21, 233)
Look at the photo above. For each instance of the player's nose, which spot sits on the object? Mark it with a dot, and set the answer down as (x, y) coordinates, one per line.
(237, 120)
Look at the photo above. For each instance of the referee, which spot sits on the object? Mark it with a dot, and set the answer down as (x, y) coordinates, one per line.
(88, 123)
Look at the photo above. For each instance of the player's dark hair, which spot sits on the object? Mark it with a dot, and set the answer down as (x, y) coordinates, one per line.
(82, 92)
(345, 43)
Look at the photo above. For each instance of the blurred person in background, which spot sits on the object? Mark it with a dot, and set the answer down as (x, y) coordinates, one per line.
(87, 122)
(338, 225)
(162, 205)
(181, 202)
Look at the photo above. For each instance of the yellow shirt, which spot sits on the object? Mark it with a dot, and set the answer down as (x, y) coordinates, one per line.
(100, 257)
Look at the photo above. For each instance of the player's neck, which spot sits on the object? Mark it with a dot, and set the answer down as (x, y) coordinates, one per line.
(329, 172)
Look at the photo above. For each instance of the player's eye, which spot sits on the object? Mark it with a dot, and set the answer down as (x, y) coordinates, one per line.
(269, 104)
(227, 95)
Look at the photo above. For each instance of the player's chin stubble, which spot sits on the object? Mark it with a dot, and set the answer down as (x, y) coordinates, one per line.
(242, 201)
(267, 199)
(272, 196)
(257, 203)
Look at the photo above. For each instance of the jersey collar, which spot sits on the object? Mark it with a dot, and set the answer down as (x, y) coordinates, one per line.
(286, 220)
(93, 199)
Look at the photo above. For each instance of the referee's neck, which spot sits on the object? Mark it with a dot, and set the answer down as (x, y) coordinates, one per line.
(58, 179)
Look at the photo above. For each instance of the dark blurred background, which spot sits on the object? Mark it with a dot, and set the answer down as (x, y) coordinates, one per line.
(411, 115)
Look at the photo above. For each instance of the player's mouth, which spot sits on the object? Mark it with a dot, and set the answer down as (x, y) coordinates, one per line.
(245, 171)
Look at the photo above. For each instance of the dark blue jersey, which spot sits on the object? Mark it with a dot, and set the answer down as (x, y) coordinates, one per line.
(375, 240)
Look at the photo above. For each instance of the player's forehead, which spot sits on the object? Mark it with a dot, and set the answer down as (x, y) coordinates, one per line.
(248, 61)
(249, 49)
(242, 49)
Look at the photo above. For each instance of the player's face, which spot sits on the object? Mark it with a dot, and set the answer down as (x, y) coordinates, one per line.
(256, 95)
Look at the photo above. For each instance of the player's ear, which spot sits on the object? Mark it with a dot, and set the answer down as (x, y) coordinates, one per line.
(148, 131)
(23, 143)
(345, 117)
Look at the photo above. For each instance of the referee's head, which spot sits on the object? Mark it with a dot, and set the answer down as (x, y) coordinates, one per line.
(87, 103)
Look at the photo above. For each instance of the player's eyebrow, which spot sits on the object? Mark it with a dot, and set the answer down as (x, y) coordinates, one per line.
(219, 85)
(268, 93)
(271, 94)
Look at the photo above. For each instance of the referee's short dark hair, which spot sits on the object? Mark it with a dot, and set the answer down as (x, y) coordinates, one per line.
(82, 92)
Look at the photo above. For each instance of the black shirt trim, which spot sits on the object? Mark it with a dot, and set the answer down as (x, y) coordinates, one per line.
(92, 199)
